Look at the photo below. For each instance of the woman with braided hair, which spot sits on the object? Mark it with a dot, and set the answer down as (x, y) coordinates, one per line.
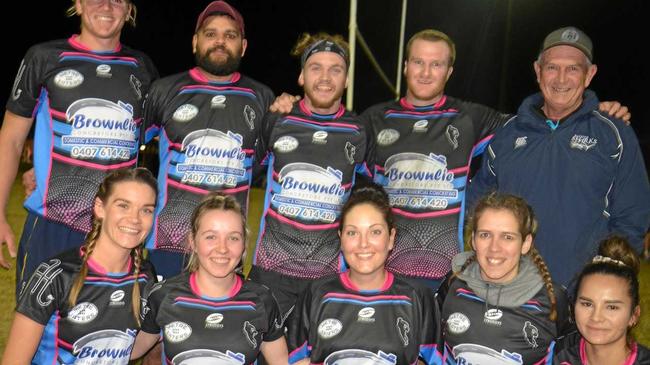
(500, 305)
(84, 304)
(606, 308)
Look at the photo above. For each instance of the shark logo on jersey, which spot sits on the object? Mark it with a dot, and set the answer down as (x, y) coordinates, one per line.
(212, 157)
(101, 129)
(309, 192)
(470, 353)
(452, 135)
(136, 85)
(387, 137)
(583, 143)
(403, 329)
(212, 357)
(530, 334)
(104, 70)
(249, 116)
(350, 152)
(521, 142)
(185, 113)
(102, 347)
(218, 102)
(250, 332)
(419, 181)
(357, 356)
(83, 313)
(41, 280)
(68, 79)
(15, 90)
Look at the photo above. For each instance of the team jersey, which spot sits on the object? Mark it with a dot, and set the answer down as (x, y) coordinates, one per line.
(99, 329)
(207, 136)
(422, 158)
(312, 161)
(476, 332)
(337, 323)
(571, 350)
(88, 109)
(198, 329)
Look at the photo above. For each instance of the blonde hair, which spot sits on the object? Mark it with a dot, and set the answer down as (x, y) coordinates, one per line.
(130, 18)
(432, 35)
(106, 188)
(306, 40)
(215, 201)
(527, 226)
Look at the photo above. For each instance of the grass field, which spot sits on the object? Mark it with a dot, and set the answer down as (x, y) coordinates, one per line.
(16, 216)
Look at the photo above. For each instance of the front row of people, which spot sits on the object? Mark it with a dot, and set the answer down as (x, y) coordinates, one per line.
(499, 306)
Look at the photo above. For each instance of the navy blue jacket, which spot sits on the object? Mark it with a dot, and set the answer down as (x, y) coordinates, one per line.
(585, 180)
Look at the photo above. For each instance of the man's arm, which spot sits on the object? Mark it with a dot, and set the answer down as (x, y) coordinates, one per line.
(629, 208)
(12, 138)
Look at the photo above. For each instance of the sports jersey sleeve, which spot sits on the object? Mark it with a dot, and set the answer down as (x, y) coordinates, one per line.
(298, 329)
(264, 145)
(485, 179)
(275, 325)
(153, 297)
(152, 116)
(45, 292)
(26, 89)
(430, 328)
(486, 120)
(369, 158)
(629, 209)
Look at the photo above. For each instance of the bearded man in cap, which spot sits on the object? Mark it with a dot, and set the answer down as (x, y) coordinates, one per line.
(581, 171)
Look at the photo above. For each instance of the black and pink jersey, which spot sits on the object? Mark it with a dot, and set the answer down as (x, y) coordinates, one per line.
(422, 159)
(337, 323)
(476, 332)
(208, 132)
(198, 329)
(100, 329)
(88, 108)
(312, 161)
(571, 350)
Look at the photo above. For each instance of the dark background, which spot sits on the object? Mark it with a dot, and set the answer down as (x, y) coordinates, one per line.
(496, 40)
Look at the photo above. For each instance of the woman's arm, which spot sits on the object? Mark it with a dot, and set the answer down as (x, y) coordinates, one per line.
(143, 343)
(24, 336)
(275, 352)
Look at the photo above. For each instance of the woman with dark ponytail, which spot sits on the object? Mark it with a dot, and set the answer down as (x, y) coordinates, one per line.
(85, 303)
(501, 306)
(365, 315)
(606, 308)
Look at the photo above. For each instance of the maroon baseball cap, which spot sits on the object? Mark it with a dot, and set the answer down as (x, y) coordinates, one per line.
(220, 7)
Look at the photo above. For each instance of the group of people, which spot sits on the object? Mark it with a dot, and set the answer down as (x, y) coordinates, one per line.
(363, 215)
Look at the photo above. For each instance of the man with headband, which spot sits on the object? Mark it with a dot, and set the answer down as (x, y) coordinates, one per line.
(313, 154)
(208, 121)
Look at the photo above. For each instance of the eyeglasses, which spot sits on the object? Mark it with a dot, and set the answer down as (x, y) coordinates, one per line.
(116, 3)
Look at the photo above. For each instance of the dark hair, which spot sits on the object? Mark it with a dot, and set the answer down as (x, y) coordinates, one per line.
(214, 201)
(105, 190)
(527, 226)
(372, 194)
(615, 257)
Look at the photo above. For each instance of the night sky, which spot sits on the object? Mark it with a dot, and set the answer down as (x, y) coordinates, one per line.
(496, 41)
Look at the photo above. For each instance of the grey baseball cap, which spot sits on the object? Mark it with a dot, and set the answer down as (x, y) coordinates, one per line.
(569, 36)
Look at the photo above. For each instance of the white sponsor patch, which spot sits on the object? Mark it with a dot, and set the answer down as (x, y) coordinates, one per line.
(177, 331)
(457, 323)
(329, 328)
(285, 144)
(83, 312)
(185, 113)
(367, 312)
(387, 137)
(103, 70)
(357, 357)
(214, 321)
(68, 79)
(319, 137)
(492, 316)
(218, 101)
(469, 353)
(102, 347)
(521, 142)
(117, 295)
(211, 357)
(421, 126)
(583, 143)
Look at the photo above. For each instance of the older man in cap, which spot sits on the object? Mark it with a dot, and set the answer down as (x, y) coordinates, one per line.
(581, 171)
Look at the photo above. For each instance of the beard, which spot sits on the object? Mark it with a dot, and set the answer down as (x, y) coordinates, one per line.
(323, 103)
(223, 68)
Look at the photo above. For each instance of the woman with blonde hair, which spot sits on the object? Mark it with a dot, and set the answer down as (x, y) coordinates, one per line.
(84, 305)
(209, 314)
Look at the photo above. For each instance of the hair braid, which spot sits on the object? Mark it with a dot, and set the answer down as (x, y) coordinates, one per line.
(135, 294)
(462, 268)
(548, 283)
(87, 249)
